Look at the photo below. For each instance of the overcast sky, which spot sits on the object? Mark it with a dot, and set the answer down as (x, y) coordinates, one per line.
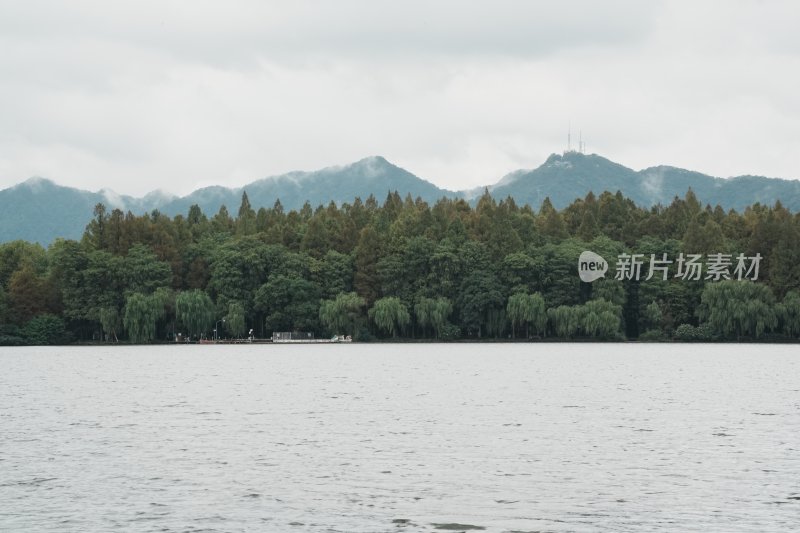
(144, 95)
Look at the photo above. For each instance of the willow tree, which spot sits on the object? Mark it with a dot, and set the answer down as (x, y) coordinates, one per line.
(343, 314)
(433, 312)
(110, 321)
(390, 315)
(601, 318)
(565, 320)
(789, 311)
(422, 311)
(441, 311)
(142, 312)
(195, 310)
(653, 316)
(737, 308)
(234, 320)
(527, 309)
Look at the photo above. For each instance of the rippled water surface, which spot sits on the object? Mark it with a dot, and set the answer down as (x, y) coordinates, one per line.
(394, 438)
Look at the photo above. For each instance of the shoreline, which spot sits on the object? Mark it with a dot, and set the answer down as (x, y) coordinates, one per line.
(416, 341)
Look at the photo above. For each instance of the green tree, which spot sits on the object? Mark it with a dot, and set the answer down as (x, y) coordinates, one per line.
(335, 274)
(111, 322)
(433, 313)
(15, 255)
(601, 318)
(448, 260)
(527, 309)
(550, 223)
(734, 309)
(30, 294)
(343, 314)
(367, 254)
(564, 320)
(789, 312)
(288, 303)
(246, 219)
(440, 314)
(390, 315)
(195, 310)
(142, 312)
(45, 329)
(3, 306)
(143, 272)
(234, 320)
(653, 316)
(480, 296)
(423, 310)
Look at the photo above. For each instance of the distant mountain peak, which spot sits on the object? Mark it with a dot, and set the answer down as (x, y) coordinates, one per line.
(36, 182)
(373, 160)
(113, 199)
(159, 195)
(373, 166)
(41, 210)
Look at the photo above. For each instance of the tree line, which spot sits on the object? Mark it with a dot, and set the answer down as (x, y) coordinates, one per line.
(401, 269)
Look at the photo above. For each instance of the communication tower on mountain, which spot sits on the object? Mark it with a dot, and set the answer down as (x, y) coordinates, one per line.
(581, 145)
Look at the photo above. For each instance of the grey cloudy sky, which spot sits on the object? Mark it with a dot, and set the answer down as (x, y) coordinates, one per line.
(137, 96)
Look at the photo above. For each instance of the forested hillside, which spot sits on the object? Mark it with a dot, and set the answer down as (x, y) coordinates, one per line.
(40, 211)
(403, 268)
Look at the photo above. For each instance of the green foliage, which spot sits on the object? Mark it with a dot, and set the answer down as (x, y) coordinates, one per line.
(652, 335)
(480, 298)
(3, 305)
(482, 271)
(390, 315)
(598, 319)
(30, 294)
(15, 255)
(653, 316)
(734, 309)
(564, 320)
(234, 320)
(111, 322)
(45, 329)
(528, 310)
(142, 312)
(690, 333)
(290, 303)
(609, 289)
(11, 340)
(344, 314)
(335, 274)
(195, 310)
(143, 272)
(449, 332)
(601, 319)
(434, 313)
(789, 313)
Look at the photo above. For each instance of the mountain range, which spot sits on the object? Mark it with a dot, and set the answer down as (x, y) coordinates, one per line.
(39, 210)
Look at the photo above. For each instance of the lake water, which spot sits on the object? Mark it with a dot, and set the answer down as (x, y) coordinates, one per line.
(401, 438)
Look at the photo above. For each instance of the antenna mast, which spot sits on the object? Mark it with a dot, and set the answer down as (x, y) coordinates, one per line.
(569, 137)
(581, 145)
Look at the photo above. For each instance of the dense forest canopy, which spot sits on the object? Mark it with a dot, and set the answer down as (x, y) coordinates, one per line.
(402, 269)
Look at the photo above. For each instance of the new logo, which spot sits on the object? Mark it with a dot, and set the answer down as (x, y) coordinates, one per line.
(591, 266)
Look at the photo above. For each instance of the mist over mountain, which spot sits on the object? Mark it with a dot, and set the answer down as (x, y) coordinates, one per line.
(563, 178)
(371, 175)
(39, 210)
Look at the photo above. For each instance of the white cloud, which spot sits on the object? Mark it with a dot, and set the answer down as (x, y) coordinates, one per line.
(176, 95)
